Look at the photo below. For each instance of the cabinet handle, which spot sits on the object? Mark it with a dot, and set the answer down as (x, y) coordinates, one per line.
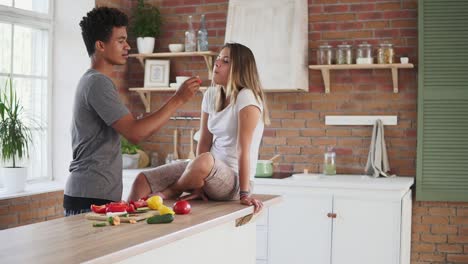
(331, 215)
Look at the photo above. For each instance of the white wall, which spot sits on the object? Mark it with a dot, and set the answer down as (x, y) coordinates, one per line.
(70, 62)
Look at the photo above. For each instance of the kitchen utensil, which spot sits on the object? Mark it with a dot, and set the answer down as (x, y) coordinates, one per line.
(176, 156)
(191, 155)
(275, 157)
(264, 169)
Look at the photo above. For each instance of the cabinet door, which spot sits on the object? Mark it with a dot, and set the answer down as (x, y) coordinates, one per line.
(298, 228)
(366, 230)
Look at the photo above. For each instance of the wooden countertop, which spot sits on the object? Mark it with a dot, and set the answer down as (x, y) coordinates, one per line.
(74, 239)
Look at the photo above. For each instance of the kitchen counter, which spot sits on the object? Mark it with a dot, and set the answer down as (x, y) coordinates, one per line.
(75, 240)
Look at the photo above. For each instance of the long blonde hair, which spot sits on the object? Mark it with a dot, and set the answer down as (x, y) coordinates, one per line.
(242, 75)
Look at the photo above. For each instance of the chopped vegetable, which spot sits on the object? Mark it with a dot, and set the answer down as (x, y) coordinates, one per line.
(154, 202)
(114, 220)
(101, 224)
(165, 210)
(99, 209)
(132, 221)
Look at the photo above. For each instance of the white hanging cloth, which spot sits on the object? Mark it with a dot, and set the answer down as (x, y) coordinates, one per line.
(377, 160)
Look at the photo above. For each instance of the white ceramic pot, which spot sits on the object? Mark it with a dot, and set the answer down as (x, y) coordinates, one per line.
(145, 45)
(130, 161)
(14, 179)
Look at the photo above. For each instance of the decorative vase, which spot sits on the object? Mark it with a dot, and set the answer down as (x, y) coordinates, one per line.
(14, 179)
(145, 44)
(202, 36)
(130, 161)
(190, 41)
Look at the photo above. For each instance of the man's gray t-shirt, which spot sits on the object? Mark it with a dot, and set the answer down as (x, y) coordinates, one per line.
(96, 169)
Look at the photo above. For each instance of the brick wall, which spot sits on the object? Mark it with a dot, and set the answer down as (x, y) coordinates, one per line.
(30, 209)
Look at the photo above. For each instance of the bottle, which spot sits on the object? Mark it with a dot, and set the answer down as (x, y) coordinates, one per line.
(324, 55)
(202, 36)
(343, 54)
(364, 54)
(329, 166)
(190, 41)
(385, 53)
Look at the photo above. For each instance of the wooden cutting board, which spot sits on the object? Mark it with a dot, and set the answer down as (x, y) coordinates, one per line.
(136, 217)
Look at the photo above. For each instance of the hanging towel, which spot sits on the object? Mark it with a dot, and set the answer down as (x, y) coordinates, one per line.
(377, 160)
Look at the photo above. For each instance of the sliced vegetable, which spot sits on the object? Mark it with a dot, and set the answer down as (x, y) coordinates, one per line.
(100, 224)
(114, 220)
(116, 207)
(165, 210)
(130, 208)
(139, 203)
(99, 209)
(142, 209)
(160, 219)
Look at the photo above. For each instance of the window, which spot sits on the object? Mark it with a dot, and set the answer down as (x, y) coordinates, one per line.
(25, 42)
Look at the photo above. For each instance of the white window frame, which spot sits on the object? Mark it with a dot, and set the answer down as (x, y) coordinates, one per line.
(45, 22)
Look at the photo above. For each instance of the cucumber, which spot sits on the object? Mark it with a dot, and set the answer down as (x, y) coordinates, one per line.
(160, 219)
(142, 209)
(99, 224)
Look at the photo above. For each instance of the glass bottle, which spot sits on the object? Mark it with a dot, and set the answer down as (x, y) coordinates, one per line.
(324, 55)
(329, 165)
(202, 35)
(385, 53)
(190, 41)
(343, 54)
(364, 54)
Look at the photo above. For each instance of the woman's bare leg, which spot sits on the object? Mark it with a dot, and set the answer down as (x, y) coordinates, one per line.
(193, 176)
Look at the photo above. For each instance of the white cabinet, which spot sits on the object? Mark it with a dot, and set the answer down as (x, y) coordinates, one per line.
(337, 220)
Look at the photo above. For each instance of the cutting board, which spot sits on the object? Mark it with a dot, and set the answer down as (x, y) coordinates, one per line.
(136, 217)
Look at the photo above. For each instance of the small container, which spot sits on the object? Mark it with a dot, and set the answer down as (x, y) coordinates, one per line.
(343, 54)
(264, 169)
(329, 165)
(385, 53)
(324, 55)
(364, 54)
(170, 158)
(154, 159)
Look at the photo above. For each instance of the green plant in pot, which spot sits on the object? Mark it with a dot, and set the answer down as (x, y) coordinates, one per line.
(130, 155)
(15, 137)
(146, 26)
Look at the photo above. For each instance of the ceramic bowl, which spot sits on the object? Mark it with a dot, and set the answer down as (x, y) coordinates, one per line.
(176, 47)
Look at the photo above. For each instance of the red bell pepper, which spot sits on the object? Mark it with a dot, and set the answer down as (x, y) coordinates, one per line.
(139, 203)
(115, 207)
(99, 209)
(130, 209)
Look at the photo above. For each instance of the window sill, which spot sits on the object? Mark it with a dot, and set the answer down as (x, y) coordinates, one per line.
(34, 188)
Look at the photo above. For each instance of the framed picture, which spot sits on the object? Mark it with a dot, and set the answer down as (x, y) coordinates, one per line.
(157, 73)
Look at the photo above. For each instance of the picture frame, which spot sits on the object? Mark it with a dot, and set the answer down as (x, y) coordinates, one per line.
(157, 73)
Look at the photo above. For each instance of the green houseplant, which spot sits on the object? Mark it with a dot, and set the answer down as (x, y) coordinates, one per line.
(15, 137)
(146, 26)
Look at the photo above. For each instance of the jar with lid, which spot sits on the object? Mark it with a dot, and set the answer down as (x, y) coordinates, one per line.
(364, 54)
(343, 54)
(329, 166)
(385, 53)
(324, 54)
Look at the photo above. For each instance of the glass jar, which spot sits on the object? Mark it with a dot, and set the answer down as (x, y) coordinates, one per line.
(329, 165)
(364, 54)
(343, 54)
(385, 53)
(324, 55)
(190, 37)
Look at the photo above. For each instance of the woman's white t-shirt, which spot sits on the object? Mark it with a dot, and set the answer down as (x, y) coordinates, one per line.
(223, 125)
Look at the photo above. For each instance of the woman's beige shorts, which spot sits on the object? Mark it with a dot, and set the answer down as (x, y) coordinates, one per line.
(221, 183)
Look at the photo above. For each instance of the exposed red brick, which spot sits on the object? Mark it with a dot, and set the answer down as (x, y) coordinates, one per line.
(457, 258)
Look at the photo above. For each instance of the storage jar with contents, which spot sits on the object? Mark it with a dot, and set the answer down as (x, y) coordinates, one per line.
(385, 53)
(364, 54)
(324, 55)
(329, 166)
(343, 54)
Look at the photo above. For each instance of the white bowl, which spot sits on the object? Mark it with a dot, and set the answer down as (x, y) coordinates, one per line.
(176, 47)
(181, 79)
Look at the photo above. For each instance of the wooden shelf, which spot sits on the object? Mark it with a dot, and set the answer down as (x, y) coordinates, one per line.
(145, 93)
(393, 67)
(207, 55)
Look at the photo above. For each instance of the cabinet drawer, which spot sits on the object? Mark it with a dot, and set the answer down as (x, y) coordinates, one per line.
(262, 242)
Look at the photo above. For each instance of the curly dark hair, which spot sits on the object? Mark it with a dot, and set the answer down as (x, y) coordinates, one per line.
(98, 24)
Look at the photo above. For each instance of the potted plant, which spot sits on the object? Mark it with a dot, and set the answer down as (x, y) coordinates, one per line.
(15, 137)
(130, 155)
(146, 26)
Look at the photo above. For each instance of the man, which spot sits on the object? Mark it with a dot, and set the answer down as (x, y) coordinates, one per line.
(99, 116)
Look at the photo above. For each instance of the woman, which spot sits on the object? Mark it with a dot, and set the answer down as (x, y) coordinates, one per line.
(233, 116)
